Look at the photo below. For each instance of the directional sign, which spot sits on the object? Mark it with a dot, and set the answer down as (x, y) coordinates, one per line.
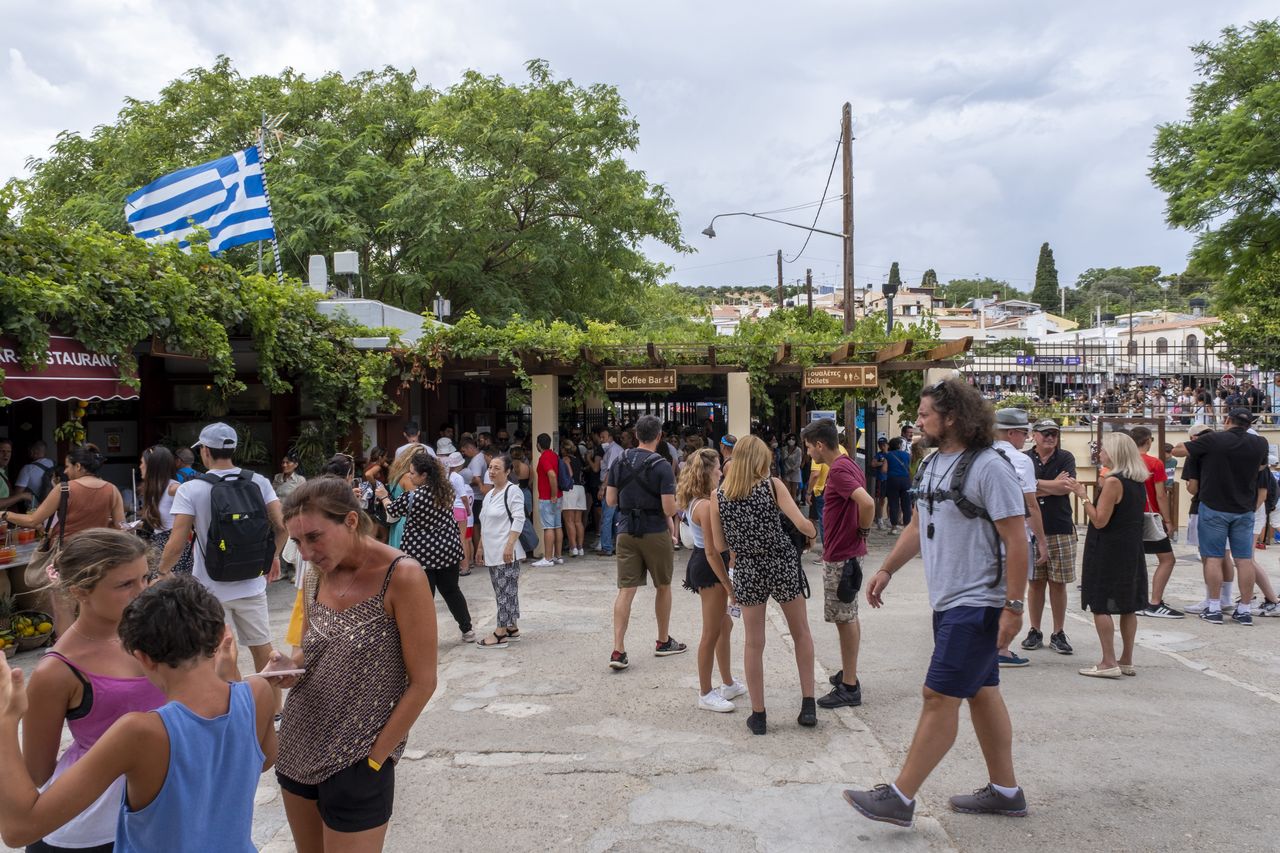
(842, 376)
(643, 381)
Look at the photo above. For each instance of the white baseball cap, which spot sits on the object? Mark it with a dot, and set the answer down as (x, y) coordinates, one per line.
(217, 436)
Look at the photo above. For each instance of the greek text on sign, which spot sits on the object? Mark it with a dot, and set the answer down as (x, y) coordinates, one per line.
(842, 376)
(619, 379)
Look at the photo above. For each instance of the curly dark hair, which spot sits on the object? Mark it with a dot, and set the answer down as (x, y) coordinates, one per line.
(973, 420)
(174, 622)
(437, 486)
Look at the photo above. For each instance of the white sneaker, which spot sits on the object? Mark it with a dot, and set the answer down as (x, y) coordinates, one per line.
(732, 691)
(713, 701)
(543, 563)
(559, 561)
(1198, 608)
(894, 531)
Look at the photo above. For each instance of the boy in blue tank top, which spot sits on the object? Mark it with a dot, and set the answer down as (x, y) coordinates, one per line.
(208, 744)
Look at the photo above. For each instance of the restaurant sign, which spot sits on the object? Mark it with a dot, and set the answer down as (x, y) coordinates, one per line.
(618, 379)
(842, 376)
(69, 372)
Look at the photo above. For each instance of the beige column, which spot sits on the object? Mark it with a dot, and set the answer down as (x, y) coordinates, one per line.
(545, 402)
(739, 404)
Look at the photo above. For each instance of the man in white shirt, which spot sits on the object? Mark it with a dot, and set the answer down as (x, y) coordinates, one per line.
(244, 601)
(34, 478)
(1012, 429)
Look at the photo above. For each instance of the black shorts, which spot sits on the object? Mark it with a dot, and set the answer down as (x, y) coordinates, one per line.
(1163, 546)
(354, 799)
(698, 574)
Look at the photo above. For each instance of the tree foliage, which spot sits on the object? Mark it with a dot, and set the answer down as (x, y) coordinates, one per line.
(929, 279)
(1251, 334)
(895, 277)
(1220, 167)
(505, 197)
(959, 291)
(1045, 292)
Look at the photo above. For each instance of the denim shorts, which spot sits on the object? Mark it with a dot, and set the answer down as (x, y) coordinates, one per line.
(549, 514)
(964, 651)
(1216, 530)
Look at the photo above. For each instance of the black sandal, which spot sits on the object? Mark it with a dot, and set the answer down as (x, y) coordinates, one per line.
(501, 642)
(512, 634)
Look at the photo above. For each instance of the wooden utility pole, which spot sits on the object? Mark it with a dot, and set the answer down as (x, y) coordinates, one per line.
(846, 157)
(808, 288)
(779, 279)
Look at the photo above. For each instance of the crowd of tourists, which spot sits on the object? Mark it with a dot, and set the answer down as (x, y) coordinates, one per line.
(150, 619)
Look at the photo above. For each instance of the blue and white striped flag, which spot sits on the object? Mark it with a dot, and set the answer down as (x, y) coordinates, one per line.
(227, 197)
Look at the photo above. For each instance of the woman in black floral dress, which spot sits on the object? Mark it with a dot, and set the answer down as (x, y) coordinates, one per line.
(746, 518)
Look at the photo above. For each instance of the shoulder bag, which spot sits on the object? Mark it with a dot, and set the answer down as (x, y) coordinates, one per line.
(37, 572)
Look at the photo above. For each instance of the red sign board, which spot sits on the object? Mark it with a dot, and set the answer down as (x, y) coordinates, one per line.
(70, 372)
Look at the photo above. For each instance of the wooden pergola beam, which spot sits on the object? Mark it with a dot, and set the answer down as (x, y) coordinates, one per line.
(839, 355)
(711, 356)
(950, 349)
(782, 353)
(655, 356)
(897, 349)
(589, 357)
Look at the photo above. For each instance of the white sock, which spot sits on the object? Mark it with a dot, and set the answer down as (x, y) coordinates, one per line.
(901, 795)
(1008, 792)
(1226, 591)
(1215, 606)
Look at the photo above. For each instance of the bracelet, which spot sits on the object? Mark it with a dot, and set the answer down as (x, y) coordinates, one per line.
(375, 765)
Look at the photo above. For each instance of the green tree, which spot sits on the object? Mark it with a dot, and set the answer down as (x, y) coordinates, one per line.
(1219, 166)
(1251, 335)
(505, 197)
(1045, 292)
(895, 277)
(929, 279)
(960, 290)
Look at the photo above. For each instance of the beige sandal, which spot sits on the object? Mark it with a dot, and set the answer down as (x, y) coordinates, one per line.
(1094, 672)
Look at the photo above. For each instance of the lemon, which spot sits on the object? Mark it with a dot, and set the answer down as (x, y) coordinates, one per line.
(44, 627)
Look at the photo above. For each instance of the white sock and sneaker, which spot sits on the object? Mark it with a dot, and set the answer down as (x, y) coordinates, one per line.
(718, 699)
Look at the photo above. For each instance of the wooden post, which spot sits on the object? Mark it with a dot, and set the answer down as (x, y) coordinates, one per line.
(808, 288)
(779, 279)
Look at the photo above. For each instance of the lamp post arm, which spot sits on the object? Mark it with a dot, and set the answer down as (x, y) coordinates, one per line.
(779, 221)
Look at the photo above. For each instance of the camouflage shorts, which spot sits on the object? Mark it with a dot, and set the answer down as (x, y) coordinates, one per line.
(833, 609)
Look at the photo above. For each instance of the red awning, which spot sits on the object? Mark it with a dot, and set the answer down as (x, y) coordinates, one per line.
(70, 372)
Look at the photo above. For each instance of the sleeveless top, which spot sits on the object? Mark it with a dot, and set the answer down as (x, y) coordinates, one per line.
(87, 508)
(752, 525)
(206, 801)
(355, 677)
(105, 700)
(694, 527)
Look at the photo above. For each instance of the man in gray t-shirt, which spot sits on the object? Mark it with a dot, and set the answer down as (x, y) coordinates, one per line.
(975, 563)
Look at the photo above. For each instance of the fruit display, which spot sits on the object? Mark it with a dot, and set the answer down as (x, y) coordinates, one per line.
(32, 629)
(9, 644)
(8, 554)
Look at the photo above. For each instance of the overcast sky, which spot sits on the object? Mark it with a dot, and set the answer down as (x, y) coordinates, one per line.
(983, 128)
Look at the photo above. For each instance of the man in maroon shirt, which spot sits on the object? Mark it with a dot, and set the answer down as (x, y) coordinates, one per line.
(846, 520)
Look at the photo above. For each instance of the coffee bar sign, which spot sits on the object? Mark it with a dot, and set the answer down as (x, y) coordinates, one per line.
(622, 380)
(842, 376)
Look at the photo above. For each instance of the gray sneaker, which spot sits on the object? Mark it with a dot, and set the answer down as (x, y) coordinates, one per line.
(990, 801)
(882, 803)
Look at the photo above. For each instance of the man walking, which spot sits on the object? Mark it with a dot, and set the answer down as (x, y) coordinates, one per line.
(1228, 490)
(643, 488)
(1157, 501)
(969, 505)
(550, 491)
(245, 601)
(1012, 428)
(847, 509)
(610, 454)
(1055, 476)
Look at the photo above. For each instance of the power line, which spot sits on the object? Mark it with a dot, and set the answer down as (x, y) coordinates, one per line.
(818, 212)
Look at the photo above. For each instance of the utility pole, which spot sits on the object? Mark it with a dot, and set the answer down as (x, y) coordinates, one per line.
(808, 288)
(846, 158)
(779, 279)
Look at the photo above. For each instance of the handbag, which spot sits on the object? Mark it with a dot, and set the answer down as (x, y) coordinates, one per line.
(36, 574)
(798, 541)
(1153, 527)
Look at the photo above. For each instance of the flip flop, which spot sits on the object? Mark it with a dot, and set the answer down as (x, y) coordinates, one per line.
(1094, 672)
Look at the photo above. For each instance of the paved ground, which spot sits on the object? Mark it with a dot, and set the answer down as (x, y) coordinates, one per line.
(541, 746)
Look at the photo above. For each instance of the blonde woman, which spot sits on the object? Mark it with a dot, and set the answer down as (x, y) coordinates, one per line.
(398, 482)
(1114, 570)
(699, 477)
(746, 518)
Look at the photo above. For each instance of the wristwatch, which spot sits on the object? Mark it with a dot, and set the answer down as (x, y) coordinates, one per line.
(1014, 606)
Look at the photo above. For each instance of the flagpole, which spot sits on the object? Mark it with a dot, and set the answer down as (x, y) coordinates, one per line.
(266, 192)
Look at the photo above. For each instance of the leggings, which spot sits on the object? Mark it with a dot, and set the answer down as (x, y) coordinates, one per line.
(447, 581)
(506, 589)
(898, 490)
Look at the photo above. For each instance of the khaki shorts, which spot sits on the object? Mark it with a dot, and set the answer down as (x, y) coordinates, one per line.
(250, 619)
(1061, 567)
(651, 553)
(833, 609)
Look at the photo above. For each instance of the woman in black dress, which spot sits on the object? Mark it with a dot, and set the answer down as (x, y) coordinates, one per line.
(1114, 572)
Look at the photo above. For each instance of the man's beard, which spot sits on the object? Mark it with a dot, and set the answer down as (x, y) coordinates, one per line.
(927, 440)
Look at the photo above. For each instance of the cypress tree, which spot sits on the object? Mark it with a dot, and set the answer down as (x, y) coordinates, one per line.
(1046, 290)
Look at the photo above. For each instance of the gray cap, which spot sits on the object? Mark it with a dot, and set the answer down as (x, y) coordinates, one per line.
(217, 436)
(1012, 419)
(1046, 425)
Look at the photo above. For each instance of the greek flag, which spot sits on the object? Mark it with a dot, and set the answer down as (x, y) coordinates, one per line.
(227, 197)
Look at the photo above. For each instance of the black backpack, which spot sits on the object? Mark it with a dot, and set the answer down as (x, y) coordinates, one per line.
(631, 473)
(240, 544)
(47, 476)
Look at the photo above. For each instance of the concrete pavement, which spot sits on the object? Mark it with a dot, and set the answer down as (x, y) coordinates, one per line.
(541, 746)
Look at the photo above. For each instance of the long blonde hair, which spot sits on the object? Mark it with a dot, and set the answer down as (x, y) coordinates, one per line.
(751, 461)
(1126, 461)
(400, 466)
(695, 476)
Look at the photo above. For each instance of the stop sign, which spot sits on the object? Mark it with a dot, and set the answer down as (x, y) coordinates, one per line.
(1228, 379)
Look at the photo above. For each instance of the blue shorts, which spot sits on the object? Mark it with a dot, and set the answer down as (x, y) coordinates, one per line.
(1216, 530)
(549, 514)
(964, 651)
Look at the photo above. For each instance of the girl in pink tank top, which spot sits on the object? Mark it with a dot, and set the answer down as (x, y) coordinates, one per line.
(88, 680)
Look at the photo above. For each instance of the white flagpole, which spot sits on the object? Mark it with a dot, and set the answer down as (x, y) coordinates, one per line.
(275, 243)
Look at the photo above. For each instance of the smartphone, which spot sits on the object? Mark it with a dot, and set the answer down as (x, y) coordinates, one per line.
(734, 610)
(280, 673)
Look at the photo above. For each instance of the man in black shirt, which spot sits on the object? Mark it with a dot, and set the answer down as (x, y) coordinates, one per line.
(1228, 493)
(1055, 478)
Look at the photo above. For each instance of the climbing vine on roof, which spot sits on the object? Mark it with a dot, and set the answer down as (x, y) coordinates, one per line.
(113, 292)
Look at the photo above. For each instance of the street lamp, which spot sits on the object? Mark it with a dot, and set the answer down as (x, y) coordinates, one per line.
(442, 308)
(710, 230)
(890, 290)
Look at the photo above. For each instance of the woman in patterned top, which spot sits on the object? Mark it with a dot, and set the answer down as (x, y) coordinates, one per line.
(431, 533)
(369, 649)
(746, 518)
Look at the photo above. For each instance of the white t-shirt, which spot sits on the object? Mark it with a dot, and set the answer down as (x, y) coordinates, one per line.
(495, 527)
(402, 448)
(461, 490)
(32, 474)
(193, 499)
(165, 506)
(476, 466)
(1026, 470)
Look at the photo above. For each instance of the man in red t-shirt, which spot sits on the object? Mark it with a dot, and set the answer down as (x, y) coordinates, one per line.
(846, 520)
(1157, 501)
(549, 493)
